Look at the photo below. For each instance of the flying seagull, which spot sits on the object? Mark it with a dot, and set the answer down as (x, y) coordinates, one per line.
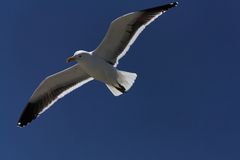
(99, 64)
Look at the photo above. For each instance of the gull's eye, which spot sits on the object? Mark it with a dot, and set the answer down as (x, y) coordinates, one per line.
(79, 56)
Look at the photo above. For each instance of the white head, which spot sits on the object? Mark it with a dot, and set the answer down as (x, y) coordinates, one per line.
(77, 55)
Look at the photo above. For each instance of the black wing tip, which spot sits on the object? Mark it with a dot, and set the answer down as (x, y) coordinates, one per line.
(170, 5)
(24, 122)
(28, 115)
(20, 125)
(161, 8)
(174, 4)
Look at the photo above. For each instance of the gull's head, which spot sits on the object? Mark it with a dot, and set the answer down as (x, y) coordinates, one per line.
(77, 55)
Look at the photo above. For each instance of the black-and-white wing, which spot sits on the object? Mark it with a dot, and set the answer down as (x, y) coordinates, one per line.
(124, 30)
(50, 90)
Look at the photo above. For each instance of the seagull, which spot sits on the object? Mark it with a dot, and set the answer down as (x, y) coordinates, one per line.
(99, 64)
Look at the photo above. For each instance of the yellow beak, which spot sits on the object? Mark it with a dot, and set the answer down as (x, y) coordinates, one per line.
(70, 59)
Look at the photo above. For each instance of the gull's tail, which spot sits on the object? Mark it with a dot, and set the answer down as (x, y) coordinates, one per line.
(125, 81)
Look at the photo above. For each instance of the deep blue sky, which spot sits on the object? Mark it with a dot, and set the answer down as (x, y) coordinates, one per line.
(184, 105)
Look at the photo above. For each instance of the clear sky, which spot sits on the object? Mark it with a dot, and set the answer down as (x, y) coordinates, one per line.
(184, 105)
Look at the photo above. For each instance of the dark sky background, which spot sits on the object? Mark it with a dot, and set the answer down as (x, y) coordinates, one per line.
(184, 105)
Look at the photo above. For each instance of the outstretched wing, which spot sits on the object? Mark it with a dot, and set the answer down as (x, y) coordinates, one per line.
(124, 30)
(50, 90)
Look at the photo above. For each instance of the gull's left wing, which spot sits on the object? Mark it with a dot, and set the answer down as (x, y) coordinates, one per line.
(124, 30)
(50, 90)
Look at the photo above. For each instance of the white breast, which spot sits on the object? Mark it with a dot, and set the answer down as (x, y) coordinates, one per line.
(99, 69)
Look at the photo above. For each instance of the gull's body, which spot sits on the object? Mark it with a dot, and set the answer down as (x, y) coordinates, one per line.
(98, 68)
(99, 64)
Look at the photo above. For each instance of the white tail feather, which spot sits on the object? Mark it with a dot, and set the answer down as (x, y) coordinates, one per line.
(125, 79)
(114, 91)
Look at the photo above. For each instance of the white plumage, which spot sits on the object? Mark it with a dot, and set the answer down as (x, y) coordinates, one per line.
(99, 64)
